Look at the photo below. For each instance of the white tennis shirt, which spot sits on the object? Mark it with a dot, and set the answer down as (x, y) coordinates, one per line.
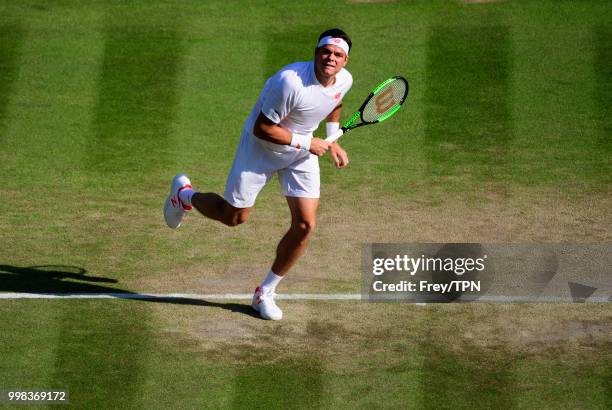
(294, 99)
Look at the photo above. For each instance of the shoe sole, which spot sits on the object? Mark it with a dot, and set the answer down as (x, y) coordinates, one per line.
(167, 208)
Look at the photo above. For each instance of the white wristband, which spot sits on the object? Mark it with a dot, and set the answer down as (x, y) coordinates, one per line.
(332, 127)
(301, 141)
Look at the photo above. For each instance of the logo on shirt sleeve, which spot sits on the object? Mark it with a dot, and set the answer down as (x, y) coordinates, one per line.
(337, 96)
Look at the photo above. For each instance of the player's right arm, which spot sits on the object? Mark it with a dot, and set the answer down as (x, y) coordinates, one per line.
(281, 97)
(268, 130)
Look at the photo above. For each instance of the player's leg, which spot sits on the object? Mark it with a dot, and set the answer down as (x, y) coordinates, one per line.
(290, 248)
(294, 243)
(301, 188)
(183, 198)
(215, 207)
(247, 177)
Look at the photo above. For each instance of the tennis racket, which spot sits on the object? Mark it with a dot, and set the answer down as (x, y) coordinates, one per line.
(382, 103)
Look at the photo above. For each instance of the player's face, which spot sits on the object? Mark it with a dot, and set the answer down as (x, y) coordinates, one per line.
(329, 60)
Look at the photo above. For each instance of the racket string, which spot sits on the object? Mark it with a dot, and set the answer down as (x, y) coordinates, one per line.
(384, 101)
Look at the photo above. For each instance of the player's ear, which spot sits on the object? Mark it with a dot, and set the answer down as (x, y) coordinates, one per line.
(346, 61)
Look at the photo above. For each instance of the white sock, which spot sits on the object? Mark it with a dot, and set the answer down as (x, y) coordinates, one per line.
(270, 282)
(185, 196)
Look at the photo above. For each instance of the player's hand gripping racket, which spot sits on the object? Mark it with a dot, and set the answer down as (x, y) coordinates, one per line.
(382, 103)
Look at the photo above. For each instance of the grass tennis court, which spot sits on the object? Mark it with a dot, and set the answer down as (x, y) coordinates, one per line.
(505, 138)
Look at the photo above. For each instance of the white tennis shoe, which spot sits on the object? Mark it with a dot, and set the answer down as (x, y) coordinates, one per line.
(174, 208)
(265, 305)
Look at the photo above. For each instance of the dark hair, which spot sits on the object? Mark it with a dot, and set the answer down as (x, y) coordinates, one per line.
(336, 32)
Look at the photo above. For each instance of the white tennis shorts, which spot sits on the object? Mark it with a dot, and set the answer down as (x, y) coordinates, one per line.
(255, 163)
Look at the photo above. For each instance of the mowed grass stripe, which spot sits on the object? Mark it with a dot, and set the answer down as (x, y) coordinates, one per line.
(137, 98)
(11, 37)
(453, 378)
(46, 126)
(467, 118)
(468, 133)
(47, 119)
(295, 384)
(102, 353)
(556, 102)
(28, 343)
(602, 36)
(293, 44)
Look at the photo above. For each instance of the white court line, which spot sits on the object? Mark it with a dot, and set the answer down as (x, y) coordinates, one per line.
(213, 296)
(282, 296)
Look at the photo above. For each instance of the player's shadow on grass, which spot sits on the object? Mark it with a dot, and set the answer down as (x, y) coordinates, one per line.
(72, 280)
(179, 300)
(52, 279)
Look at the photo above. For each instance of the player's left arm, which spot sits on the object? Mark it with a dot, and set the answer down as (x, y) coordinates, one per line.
(338, 154)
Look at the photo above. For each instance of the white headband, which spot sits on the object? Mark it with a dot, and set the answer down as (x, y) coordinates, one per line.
(334, 41)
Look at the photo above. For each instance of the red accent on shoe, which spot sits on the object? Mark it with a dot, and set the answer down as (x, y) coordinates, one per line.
(258, 299)
(185, 207)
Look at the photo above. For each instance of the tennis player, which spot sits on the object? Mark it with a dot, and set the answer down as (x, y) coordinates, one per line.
(277, 138)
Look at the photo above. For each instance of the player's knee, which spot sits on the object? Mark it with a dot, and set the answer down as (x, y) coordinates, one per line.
(237, 217)
(304, 229)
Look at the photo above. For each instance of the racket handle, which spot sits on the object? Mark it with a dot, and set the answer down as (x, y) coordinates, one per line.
(334, 136)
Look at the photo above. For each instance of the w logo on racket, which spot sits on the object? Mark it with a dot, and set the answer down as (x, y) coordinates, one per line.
(385, 101)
